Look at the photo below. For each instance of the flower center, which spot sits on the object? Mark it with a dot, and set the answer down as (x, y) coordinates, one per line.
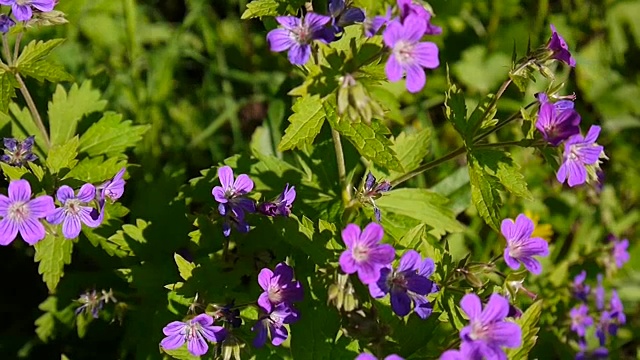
(478, 331)
(191, 330)
(72, 206)
(275, 294)
(301, 34)
(18, 211)
(398, 281)
(360, 253)
(403, 51)
(23, 2)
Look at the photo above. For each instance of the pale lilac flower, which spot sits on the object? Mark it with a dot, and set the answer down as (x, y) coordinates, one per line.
(620, 253)
(74, 210)
(273, 325)
(488, 331)
(599, 294)
(408, 283)
(18, 153)
(232, 198)
(410, 7)
(91, 302)
(580, 290)
(297, 34)
(367, 356)
(580, 319)
(114, 188)
(195, 332)
(580, 152)
(282, 205)
(22, 9)
(279, 287)
(22, 215)
(557, 121)
(365, 255)
(408, 54)
(521, 247)
(373, 24)
(560, 48)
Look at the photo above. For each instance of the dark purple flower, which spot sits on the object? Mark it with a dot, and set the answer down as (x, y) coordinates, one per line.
(74, 210)
(297, 34)
(599, 293)
(557, 121)
(233, 203)
(408, 54)
(273, 325)
(410, 7)
(408, 283)
(6, 23)
(580, 152)
(342, 16)
(371, 191)
(365, 255)
(560, 48)
(195, 332)
(521, 247)
(580, 319)
(580, 289)
(367, 356)
(18, 153)
(228, 313)
(600, 353)
(617, 310)
(373, 24)
(466, 352)
(602, 328)
(279, 287)
(282, 205)
(22, 9)
(620, 253)
(21, 214)
(488, 331)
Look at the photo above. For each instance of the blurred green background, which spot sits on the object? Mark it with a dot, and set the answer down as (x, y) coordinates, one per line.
(210, 87)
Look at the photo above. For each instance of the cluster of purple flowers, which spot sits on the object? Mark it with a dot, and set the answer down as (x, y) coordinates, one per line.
(488, 330)
(234, 204)
(559, 122)
(18, 153)
(521, 247)
(22, 214)
(408, 284)
(23, 10)
(606, 317)
(402, 35)
(371, 191)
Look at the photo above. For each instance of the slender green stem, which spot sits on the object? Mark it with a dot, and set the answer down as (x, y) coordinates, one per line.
(502, 124)
(5, 50)
(34, 110)
(342, 169)
(16, 47)
(459, 151)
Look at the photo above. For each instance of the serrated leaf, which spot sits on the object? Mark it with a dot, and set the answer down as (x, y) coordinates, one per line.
(22, 126)
(456, 109)
(12, 172)
(32, 62)
(181, 353)
(46, 323)
(7, 90)
(500, 165)
(53, 253)
(485, 110)
(370, 141)
(260, 8)
(95, 170)
(426, 206)
(184, 267)
(66, 110)
(484, 194)
(306, 122)
(111, 136)
(412, 148)
(63, 156)
(529, 324)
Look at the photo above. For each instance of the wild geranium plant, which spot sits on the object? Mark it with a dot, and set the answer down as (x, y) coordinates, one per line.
(291, 254)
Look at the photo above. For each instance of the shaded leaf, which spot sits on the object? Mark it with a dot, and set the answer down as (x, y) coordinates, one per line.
(306, 122)
(63, 156)
(484, 194)
(111, 136)
(53, 253)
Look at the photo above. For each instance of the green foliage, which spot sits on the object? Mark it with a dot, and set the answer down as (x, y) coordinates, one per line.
(7, 89)
(33, 62)
(529, 324)
(63, 156)
(110, 136)
(53, 253)
(259, 8)
(306, 122)
(484, 193)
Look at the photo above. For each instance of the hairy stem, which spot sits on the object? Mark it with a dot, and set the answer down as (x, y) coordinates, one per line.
(342, 169)
(34, 110)
(459, 151)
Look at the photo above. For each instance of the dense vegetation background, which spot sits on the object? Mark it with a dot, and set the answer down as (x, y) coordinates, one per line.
(209, 86)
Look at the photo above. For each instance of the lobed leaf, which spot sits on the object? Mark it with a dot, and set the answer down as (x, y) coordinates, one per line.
(484, 194)
(63, 156)
(7, 89)
(32, 62)
(111, 136)
(529, 324)
(260, 8)
(306, 122)
(53, 253)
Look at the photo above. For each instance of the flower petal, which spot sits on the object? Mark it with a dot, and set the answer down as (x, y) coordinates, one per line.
(22, 12)
(532, 265)
(393, 33)
(393, 69)
(31, 230)
(288, 22)
(426, 55)
(214, 334)
(471, 305)
(172, 342)
(427, 268)
(64, 193)
(496, 309)
(510, 260)
(280, 40)
(71, 226)
(284, 273)
(279, 335)
(348, 263)
(203, 320)
(225, 174)
(19, 190)
(400, 303)
(410, 260)
(174, 327)
(382, 254)
(368, 272)
(315, 21)
(299, 54)
(197, 346)
(577, 173)
(8, 231)
(243, 184)
(350, 235)
(506, 334)
(414, 28)
(264, 278)
(5, 202)
(416, 78)
(261, 334)
(43, 5)
(41, 206)
(372, 234)
(86, 193)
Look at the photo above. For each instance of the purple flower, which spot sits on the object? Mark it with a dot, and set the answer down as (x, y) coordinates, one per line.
(273, 324)
(372, 190)
(466, 352)
(279, 287)
(580, 152)
(617, 309)
(74, 210)
(195, 332)
(580, 319)
(228, 313)
(21, 9)
(282, 205)
(620, 254)
(367, 356)
(599, 293)
(557, 121)
(114, 188)
(365, 255)
(297, 34)
(409, 7)
(521, 247)
(90, 302)
(6, 23)
(580, 289)
(21, 214)
(602, 328)
(373, 24)
(408, 283)
(488, 331)
(560, 48)
(342, 16)
(408, 54)
(18, 153)
(233, 203)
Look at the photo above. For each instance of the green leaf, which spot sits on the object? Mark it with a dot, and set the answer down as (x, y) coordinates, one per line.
(370, 141)
(111, 136)
(95, 170)
(46, 323)
(426, 206)
(181, 353)
(411, 149)
(306, 122)
(184, 267)
(53, 252)
(63, 156)
(529, 324)
(22, 126)
(7, 89)
(12, 172)
(260, 8)
(66, 110)
(456, 109)
(500, 165)
(484, 194)
(32, 62)
(485, 110)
